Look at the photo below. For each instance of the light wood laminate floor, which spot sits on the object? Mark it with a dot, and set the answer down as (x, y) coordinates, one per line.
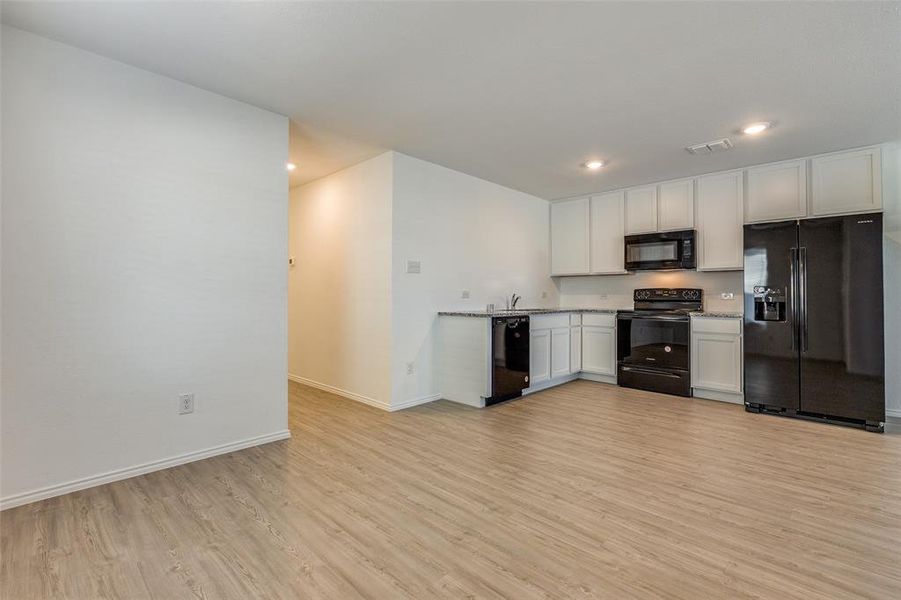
(582, 491)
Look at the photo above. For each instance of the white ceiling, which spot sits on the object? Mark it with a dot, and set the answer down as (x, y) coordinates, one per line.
(522, 93)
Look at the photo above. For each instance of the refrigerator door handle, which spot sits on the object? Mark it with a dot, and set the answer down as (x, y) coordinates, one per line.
(793, 303)
(802, 291)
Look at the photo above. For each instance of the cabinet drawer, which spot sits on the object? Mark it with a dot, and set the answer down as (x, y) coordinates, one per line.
(537, 322)
(575, 319)
(599, 319)
(716, 325)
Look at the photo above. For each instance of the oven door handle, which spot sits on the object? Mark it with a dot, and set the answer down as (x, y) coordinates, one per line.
(657, 318)
(649, 372)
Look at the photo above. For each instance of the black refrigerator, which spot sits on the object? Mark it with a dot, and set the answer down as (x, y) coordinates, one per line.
(813, 324)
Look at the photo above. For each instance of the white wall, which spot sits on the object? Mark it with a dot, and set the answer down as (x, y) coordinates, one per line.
(143, 244)
(340, 286)
(468, 234)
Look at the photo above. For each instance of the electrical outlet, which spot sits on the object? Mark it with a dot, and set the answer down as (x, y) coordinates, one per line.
(414, 266)
(409, 368)
(603, 296)
(185, 404)
(464, 294)
(543, 295)
(727, 295)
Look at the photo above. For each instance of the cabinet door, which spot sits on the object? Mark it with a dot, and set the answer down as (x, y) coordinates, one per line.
(575, 349)
(539, 356)
(599, 350)
(641, 210)
(847, 182)
(607, 230)
(569, 237)
(676, 205)
(720, 222)
(777, 192)
(716, 362)
(560, 355)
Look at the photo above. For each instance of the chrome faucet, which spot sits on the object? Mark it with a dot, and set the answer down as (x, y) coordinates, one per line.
(511, 302)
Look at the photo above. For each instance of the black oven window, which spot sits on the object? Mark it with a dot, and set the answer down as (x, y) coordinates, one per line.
(653, 252)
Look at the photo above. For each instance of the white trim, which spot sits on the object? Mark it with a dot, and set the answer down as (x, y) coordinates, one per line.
(893, 412)
(718, 395)
(415, 402)
(338, 391)
(598, 378)
(549, 384)
(128, 472)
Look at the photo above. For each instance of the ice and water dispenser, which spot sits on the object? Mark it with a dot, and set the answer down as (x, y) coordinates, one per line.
(769, 304)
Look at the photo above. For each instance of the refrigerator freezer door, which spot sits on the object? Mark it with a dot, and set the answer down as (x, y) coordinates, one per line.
(842, 353)
(772, 372)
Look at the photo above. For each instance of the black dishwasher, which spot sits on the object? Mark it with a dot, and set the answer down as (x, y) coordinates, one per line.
(509, 358)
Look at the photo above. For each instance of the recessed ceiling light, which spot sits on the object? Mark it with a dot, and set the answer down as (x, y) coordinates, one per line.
(755, 128)
(594, 165)
(290, 166)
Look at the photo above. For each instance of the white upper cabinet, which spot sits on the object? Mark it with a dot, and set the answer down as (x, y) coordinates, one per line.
(846, 182)
(676, 205)
(641, 210)
(720, 222)
(777, 191)
(569, 237)
(607, 233)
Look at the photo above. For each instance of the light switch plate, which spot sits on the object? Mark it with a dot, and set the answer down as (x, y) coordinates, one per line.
(414, 266)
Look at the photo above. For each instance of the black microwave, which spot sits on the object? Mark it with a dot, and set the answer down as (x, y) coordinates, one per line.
(661, 251)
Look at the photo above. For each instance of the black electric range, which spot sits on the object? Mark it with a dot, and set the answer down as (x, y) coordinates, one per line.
(653, 350)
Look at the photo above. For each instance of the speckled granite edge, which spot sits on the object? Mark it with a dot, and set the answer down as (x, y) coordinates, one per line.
(718, 314)
(537, 311)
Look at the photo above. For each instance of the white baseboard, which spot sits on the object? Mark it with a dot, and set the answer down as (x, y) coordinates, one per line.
(549, 384)
(128, 472)
(415, 402)
(718, 395)
(364, 399)
(339, 392)
(893, 412)
(611, 379)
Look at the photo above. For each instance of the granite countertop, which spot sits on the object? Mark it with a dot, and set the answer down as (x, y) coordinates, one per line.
(718, 314)
(523, 312)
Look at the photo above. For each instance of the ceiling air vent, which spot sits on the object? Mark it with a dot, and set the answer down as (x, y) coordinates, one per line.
(710, 147)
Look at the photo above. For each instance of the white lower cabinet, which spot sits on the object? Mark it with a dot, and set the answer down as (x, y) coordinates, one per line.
(539, 356)
(560, 352)
(716, 357)
(566, 344)
(599, 350)
(575, 349)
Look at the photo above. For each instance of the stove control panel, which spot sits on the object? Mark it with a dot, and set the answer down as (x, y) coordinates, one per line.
(669, 294)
